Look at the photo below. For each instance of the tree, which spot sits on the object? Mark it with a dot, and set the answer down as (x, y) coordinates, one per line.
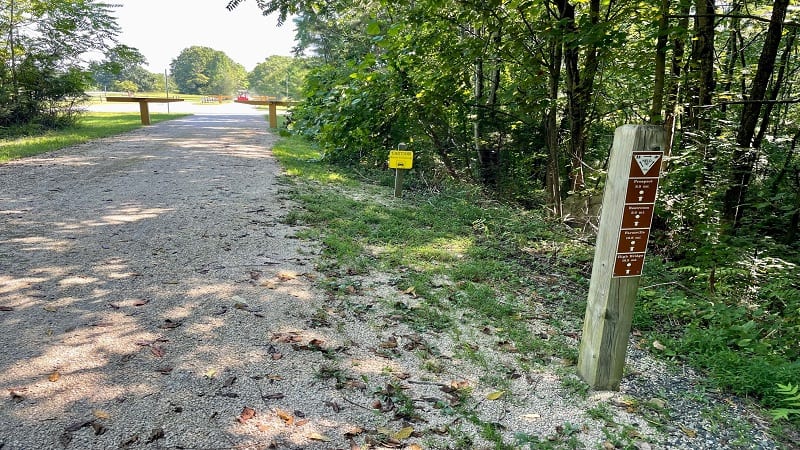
(123, 63)
(42, 44)
(279, 76)
(203, 70)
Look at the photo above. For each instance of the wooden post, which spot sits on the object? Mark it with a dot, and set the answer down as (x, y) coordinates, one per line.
(144, 112)
(628, 202)
(273, 116)
(398, 182)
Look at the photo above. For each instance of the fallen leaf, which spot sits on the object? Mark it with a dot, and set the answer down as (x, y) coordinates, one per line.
(301, 422)
(353, 432)
(335, 406)
(411, 291)
(414, 447)
(389, 343)
(246, 414)
(240, 305)
(78, 425)
(169, 324)
(608, 446)
(100, 414)
(53, 377)
(140, 302)
(17, 397)
(287, 338)
(286, 276)
(99, 428)
(495, 395)
(130, 441)
(688, 431)
(50, 308)
(288, 418)
(318, 437)
(210, 373)
(403, 434)
(158, 351)
(659, 346)
(270, 284)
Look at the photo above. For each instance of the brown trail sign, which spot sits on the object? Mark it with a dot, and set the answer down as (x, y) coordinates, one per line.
(628, 203)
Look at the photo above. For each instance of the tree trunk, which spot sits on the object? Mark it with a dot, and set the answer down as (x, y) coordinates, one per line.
(777, 85)
(678, 53)
(656, 116)
(551, 129)
(745, 154)
(579, 87)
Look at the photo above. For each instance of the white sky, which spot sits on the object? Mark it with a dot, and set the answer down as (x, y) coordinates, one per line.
(160, 29)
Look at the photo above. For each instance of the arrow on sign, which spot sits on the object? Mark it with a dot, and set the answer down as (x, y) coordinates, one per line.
(646, 162)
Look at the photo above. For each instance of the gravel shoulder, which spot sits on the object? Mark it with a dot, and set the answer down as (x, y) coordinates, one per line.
(152, 298)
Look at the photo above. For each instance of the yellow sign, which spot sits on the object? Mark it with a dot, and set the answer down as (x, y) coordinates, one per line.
(401, 159)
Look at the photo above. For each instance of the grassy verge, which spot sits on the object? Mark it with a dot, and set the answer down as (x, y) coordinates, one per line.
(90, 126)
(470, 259)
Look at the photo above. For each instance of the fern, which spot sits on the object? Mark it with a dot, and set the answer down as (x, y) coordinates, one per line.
(792, 399)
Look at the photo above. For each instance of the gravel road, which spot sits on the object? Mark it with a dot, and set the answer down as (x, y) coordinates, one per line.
(136, 274)
(151, 297)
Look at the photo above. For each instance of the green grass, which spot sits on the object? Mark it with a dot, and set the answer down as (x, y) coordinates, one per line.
(459, 236)
(90, 126)
(503, 266)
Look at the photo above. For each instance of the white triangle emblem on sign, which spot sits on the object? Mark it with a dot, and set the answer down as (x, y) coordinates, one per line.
(646, 162)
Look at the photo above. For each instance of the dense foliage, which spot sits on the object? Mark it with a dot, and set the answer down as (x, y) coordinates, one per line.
(203, 70)
(522, 97)
(122, 69)
(42, 44)
(279, 76)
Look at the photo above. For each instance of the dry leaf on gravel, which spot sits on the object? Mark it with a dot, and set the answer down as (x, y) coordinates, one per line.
(287, 337)
(285, 416)
(100, 414)
(15, 395)
(170, 324)
(495, 395)
(246, 414)
(318, 437)
(50, 308)
(335, 406)
(140, 302)
(389, 343)
(55, 376)
(158, 351)
(403, 434)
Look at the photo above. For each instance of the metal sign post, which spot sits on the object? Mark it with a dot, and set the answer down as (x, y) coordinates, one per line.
(628, 203)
